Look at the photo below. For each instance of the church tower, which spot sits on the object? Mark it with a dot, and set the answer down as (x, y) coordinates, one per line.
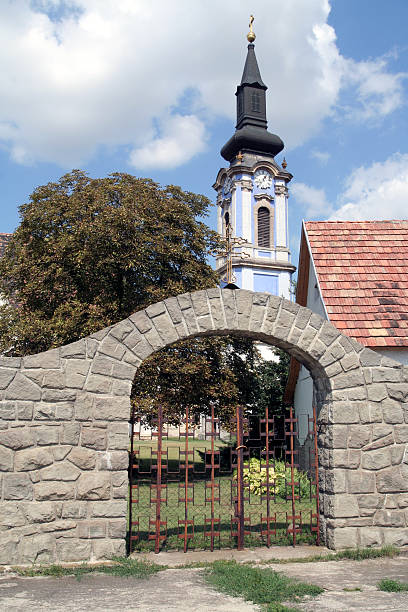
(252, 193)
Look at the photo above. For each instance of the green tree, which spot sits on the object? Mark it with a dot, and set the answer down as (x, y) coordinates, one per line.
(89, 252)
(197, 374)
(269, 386)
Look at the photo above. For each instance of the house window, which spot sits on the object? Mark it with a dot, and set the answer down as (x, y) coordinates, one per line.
(264, 227)
(256, 103)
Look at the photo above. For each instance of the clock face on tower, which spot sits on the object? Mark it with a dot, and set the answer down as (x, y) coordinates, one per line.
(262, 179)
(227, 185)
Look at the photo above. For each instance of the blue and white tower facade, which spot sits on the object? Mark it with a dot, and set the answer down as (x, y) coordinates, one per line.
(252, 193)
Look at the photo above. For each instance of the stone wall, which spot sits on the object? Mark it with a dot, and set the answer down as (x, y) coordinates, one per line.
(64, 427)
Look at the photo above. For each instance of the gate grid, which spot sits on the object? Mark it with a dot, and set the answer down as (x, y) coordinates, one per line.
(251, 484)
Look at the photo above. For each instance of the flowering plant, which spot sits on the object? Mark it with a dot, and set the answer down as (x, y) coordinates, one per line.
(279, 479)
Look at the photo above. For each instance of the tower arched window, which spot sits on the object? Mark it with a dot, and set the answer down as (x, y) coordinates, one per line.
(264, 227)
(226, 220)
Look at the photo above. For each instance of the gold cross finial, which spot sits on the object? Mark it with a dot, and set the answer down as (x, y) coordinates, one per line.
(251, 36)
(227, 251)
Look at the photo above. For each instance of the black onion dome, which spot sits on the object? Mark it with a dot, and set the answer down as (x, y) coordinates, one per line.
(254, 139)
(251, 129)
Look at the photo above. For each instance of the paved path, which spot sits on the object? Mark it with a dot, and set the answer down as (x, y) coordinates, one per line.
(335, 576)
(184, 590)
(181, 590)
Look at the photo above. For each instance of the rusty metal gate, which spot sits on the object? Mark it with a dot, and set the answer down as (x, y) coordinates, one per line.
(251, 483)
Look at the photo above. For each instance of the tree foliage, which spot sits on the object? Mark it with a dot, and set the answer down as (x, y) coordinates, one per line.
(197, 374)
(89, 252)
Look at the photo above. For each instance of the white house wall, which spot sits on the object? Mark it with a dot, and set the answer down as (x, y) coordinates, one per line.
(303, 398)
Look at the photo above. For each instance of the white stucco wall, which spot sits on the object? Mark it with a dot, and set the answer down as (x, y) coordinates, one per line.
(303, 398)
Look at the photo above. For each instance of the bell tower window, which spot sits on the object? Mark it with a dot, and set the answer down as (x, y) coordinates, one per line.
(264, 227)
(226, 221)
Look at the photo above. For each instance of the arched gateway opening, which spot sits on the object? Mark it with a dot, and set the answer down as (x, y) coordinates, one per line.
(64, 437)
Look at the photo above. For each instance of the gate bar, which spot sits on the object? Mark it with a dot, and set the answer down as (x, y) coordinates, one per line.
(240, 479)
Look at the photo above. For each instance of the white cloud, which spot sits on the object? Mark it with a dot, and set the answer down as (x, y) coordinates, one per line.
(314, 199)
(182, 138)
(321, 156)
(77, 75)
(379, 92)
(377, 192)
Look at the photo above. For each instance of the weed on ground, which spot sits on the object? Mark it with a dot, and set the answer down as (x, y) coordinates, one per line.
(260, 586)
(121, 566)
(392, 586)
(358, 554)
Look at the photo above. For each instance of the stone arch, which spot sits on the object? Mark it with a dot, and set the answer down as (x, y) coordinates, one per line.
(64, 426)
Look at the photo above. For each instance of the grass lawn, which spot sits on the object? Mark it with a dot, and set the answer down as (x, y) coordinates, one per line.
(199, 508)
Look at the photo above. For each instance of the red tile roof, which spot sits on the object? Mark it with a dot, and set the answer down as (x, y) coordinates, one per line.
(362, 268)
(4, 238)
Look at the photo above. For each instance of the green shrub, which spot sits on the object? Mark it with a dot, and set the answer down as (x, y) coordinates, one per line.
(279, 478)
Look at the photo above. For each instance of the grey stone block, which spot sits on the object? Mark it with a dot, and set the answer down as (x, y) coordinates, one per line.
(32, 459)
(17, 486)
(106, 549)
(39, 513)
(74, 350)
(376, 392)
(200, 303)
(112, 409)
(392, 411)
(108, 509)
(6, 376)
(369, 358)
(391, 480)
(347, 537)
(388, 518)
(16, 438)
(113, 460)
(342, 506)
(54, 490)
(22, 388)
(94, 438)
(6, 459)
(398, 391)
(395, 537)
(360, 482)
(94, 486)
(348, 380)
(111, 347)
(376, 459)
(165, 329)
(328, 333)
(98, 384)
(174, 310)
(370, 413)
(10, 516)
(230, 310)
(371, 537)
(83, 458)
(62, 470)
(25, 411)
(48, 360)
(73, 549)
(46, 435)
(401, 433)
(74, 509)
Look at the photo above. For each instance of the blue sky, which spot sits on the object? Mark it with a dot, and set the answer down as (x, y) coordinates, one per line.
(147, 87)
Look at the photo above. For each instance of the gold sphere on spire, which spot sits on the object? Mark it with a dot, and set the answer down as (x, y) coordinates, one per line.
(251, 36)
